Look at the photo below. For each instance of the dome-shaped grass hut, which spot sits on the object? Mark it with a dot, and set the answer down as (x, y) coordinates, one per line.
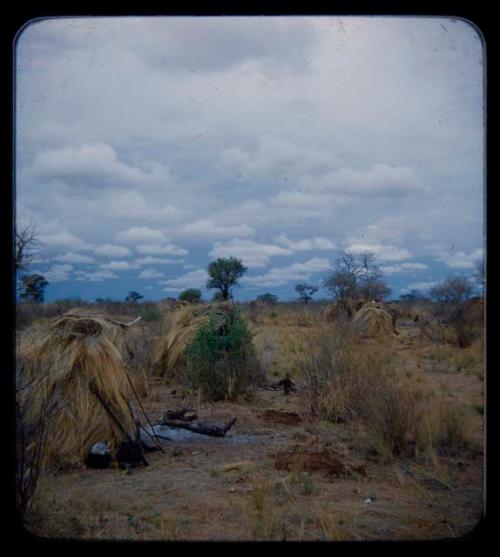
(373, 321)
(74, 371)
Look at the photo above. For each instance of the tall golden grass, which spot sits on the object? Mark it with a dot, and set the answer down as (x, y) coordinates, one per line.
(180, 325)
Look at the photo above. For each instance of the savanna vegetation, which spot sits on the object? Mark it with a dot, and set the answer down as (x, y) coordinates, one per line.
(382, 438)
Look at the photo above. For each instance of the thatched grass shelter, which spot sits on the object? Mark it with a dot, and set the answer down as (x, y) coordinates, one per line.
(75, 362)
(181, 326)
(373, 321)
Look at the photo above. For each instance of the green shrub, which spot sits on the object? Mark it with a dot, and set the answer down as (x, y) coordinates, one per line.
(220, 361)
(150, 314)
(191, 295)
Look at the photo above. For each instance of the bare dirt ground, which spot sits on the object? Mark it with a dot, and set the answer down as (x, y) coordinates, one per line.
(276, 477)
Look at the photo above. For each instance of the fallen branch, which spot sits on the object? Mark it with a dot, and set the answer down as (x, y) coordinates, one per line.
(185, 414)
(204, 429)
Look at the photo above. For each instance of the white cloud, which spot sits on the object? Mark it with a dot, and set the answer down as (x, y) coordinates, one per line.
(167, 249)
(96, 163)
(402, 268)
(74, 258)
(149, 260)
(208, 229)
(58, 273)
(149, 274)
(97, 276)
(382, 252)
(109, 250)
(141, 234)
(309, 203)
(280, 276)
(64, 240)
(193, 279)
(457, 259)
(251, 253)
(380, 179)
(306, 244)
(132, 205)
(117, 266)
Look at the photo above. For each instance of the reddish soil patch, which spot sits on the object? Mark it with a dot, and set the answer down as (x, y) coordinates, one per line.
(277, 417)
(313, 461)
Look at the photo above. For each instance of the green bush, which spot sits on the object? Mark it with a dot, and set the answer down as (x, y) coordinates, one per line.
(150, 314)
(220, 361)
(191, 295)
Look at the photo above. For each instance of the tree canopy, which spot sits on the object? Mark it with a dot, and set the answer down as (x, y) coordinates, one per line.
(190, 295)
(33, 287)
(268, 298)
(133, 296)
(224, 273)
(306, 291)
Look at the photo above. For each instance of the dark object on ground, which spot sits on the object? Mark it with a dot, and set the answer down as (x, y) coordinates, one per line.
(99, 456)
(287, 384)
(129, 454)
(275, 416)
(185, 414)
(417, 318)
(196, 427)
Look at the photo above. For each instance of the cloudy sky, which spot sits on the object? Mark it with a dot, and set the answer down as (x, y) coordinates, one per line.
(148, 147)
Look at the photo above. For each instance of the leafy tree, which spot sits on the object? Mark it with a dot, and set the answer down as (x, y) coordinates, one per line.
(190, 295)
(224, 274)
(33, 287)
(306, 292)
(133, 296)
(268, 298)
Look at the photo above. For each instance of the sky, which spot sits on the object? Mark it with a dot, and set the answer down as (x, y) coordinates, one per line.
(147, 147)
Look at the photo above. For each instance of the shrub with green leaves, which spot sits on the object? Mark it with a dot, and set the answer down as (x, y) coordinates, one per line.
(220, 361)
(191, 295)
(150, 313)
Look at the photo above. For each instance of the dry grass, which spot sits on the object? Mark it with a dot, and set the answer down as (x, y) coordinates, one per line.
(180, 326)
(442, 428)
